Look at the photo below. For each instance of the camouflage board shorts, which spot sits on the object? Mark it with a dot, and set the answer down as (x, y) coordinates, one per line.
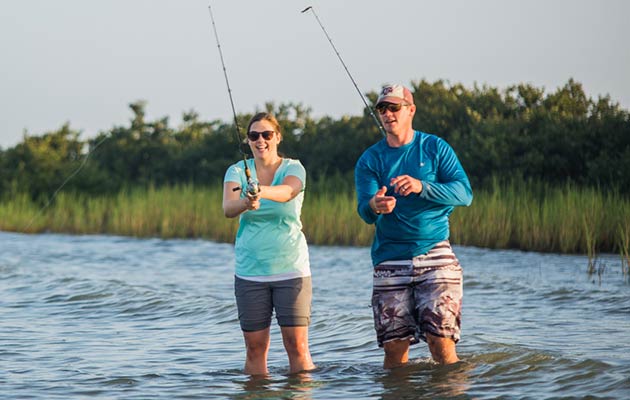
(418, 296)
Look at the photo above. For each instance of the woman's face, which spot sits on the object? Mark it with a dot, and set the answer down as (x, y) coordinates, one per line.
(263, 139)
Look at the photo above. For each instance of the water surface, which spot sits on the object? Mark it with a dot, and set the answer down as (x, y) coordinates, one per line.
(115, 317)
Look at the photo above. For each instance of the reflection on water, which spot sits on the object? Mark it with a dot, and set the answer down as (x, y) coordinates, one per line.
(295, 386)
(426, 379)
(113, 317)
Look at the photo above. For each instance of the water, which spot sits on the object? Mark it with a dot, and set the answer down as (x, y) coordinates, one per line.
(110, 317)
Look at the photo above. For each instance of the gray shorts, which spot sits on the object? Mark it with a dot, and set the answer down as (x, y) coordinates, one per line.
(291, 299)
(423, 295)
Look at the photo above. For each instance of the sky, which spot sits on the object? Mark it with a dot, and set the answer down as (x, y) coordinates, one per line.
(83, 62)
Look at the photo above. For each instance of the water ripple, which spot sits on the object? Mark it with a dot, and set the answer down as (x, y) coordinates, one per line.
(112, 317)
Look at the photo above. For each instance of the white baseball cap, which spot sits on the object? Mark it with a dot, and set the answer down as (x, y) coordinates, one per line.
(396, 94)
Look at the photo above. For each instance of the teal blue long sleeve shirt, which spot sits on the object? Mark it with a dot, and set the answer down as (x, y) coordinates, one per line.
(418, 221)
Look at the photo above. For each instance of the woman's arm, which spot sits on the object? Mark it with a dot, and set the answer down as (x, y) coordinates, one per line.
(233, 204)
(290, 187)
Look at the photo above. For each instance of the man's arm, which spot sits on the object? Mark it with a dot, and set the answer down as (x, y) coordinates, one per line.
(366, 184)
(452, 187)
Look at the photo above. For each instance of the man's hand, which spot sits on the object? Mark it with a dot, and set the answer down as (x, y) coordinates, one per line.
(405, 185)
(382, 204)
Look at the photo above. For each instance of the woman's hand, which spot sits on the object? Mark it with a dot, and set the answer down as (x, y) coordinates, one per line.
(233, 204)
(252, 202)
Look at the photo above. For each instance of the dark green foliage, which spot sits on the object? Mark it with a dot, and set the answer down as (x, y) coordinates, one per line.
(40, 165)
(518, 133)
(521, 133)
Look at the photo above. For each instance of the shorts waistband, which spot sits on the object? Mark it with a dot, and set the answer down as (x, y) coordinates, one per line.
(403, 272)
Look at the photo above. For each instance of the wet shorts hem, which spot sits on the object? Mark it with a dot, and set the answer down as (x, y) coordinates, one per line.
(257, 301)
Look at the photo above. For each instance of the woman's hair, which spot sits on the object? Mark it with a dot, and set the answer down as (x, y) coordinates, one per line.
(265, 116)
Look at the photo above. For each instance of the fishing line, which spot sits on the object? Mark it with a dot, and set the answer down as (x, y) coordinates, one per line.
(252, 186)
(378, 123)
(50, 200)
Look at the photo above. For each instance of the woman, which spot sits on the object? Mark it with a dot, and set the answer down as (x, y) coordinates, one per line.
(272, 263)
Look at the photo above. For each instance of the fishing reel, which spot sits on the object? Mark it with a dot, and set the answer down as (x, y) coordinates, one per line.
(252, 189)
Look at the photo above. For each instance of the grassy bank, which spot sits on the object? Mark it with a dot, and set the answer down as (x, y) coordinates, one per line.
(521, 216)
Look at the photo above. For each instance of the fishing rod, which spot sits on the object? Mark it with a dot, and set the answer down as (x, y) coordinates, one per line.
(253, 188)
(378, 123)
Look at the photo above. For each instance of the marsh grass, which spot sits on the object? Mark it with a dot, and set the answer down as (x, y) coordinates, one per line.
(178, 211)
(517, 215)
(21, 214)
(623, 241)
(331, 219)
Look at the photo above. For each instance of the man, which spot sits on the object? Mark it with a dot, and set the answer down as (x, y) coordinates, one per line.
(408, 184)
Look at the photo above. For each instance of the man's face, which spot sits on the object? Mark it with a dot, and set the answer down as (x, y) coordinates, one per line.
(396, 120)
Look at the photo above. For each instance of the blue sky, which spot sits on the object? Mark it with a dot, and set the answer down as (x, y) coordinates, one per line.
(83, 62)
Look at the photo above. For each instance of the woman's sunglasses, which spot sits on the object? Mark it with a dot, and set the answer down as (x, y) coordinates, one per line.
(253, 135)
(381, 107)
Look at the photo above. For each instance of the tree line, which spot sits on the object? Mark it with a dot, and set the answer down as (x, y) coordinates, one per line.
(518, 133)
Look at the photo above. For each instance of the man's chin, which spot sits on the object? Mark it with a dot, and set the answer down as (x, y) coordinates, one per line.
(391, 127)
